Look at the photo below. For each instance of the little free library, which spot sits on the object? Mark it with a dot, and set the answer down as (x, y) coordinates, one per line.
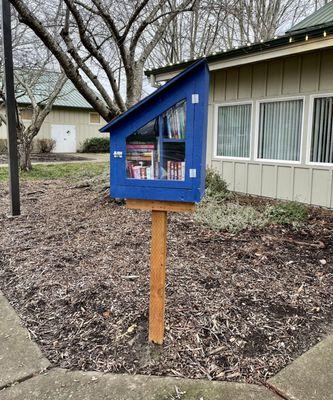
(158, 162)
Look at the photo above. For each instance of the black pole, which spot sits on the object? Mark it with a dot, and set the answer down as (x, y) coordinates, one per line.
(14, 183)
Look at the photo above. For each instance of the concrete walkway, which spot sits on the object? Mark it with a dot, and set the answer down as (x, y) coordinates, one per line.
(26, 375)
(90, 158)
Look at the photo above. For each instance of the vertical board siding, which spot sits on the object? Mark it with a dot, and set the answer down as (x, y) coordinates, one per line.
(240, 177)
(220, 85)
(232, 84)
(321, 187)
(254, 179)
(284, 183)
(325, 79)
(302, 183)
(268, 188)
(259, 80)
(274, 78)
(310, 72)
(301, 75)
(291, 75)
(245, 82)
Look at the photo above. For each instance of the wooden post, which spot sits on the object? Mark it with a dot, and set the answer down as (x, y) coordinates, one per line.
(157, 276)
(159, 210)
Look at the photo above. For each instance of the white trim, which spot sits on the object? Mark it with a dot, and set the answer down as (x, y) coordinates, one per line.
(256, 136)
(309, 134)
(283, 51)
(94, 123)
(215, 127)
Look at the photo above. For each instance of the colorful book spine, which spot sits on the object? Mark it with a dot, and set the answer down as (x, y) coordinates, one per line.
(175, 121)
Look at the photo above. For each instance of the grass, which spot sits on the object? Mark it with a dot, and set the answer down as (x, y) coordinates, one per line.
(71, 171)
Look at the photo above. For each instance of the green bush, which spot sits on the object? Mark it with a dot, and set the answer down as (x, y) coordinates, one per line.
(231, 217)
(287, 213)
(96, 145)
(3, 146)
(216, 187)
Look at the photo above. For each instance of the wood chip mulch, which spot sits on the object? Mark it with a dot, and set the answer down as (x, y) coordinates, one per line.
(75, 266)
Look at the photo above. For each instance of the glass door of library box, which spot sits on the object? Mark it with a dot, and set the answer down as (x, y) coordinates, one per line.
(160, 152)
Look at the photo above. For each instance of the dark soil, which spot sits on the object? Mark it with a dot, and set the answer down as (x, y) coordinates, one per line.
(75, 266)
(47, 157)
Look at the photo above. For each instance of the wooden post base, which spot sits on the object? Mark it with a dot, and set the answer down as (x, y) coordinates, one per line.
(157, 276)
(159, 210)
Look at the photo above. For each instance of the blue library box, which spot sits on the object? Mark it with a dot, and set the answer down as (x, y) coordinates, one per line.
(158, 146)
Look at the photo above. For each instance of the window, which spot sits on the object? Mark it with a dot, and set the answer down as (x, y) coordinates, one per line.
(280, 129)
(322, 131)
(94, 118)
(157, 150)
(233, 131)
(26, 113)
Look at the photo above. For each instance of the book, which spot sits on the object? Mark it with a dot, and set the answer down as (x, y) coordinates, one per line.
(175, 170)
(140, 164)
(175, 121)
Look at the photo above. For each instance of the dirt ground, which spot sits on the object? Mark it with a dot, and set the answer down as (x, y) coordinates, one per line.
(75, 266)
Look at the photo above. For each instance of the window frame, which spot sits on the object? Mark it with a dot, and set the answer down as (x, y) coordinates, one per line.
(257, 122)
(309, 134)
(94, 123)
(216, 122)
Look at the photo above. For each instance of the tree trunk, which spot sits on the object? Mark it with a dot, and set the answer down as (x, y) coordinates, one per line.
(25, 149)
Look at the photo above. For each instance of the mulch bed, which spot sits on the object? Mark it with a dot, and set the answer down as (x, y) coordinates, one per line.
(75, 266)
(47, 157)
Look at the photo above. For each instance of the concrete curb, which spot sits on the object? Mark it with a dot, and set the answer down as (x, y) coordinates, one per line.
(20, 358)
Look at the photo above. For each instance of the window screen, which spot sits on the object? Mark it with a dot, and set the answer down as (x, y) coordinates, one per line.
(157, 150)
(322, 131)
(234, 127)
(280, 129)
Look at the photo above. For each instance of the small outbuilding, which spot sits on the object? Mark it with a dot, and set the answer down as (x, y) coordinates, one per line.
(270, 113)
(158, 146)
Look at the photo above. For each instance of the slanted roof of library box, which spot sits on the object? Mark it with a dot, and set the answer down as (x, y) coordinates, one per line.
(145, 102)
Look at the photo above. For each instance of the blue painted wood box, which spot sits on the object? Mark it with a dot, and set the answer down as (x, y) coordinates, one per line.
(158, 146)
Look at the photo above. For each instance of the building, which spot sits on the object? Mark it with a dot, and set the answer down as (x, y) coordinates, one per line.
(270, 117)
(71, 121)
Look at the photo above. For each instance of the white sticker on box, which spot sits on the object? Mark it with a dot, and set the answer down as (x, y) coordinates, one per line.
(193, 173)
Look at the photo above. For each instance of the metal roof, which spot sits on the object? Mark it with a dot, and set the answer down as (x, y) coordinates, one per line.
(321, 17)
(69, 96)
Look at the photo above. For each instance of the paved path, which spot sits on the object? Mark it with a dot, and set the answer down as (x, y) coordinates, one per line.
(310, 377)
(19, 357)
(90, 158)
(63, 385)
(24, 376)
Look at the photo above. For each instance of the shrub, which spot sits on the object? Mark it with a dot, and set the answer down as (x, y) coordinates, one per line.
(216, 187)
(96, 145)
(45, 145)
(3, 146)
(231, 217)
(287, 213)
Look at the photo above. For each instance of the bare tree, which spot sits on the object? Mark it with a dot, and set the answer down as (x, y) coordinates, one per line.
(28, 84)
(214, 25)
(93, 39)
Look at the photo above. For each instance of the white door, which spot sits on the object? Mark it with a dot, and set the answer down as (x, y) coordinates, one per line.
(65, 138)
